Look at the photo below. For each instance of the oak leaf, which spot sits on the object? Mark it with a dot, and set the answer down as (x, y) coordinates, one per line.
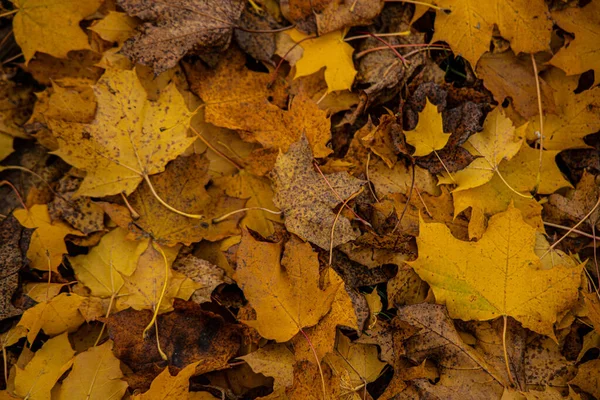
(575, 117)
(130, 137)
(428, 136)
(47, 244)
(284, 291)
(182, 185)
(100, 270)
(167, 386)
(327, 51)
(582, 53)
(497, 276)
(96, 375)
(39, 376)
(50, 27)
(306, 199)
(172, 29)
(467, 25)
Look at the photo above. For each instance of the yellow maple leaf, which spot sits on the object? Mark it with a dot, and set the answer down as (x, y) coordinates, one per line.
(497, 142)
(258, 191)
(166, 386)
(47, 244)
(361, 361)
(275, 360)
(55, 316)
(576, 114)
(96, 375)
(467, 25)
(130, 138)
(428, 136)
(286, 293)
(51, 27)
(583, 53)
(100, 270)
(39, 376)
(326, 51)
(499, 275)
(115, 27)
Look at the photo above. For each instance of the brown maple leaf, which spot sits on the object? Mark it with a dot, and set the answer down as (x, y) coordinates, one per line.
(175, 27)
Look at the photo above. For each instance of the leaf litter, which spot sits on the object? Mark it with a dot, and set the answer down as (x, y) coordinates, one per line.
(299, 199)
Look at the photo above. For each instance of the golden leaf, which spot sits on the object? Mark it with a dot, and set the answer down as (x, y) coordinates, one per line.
(428, 136)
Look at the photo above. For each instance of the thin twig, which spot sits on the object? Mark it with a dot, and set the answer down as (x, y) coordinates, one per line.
(582, 233)
(541, 112)
(412, 185)
(285, 28)
(404, 33)
(420, 3)
(335, 221)
(404, 61)
(369, 179)
(428, 46)
(7, 183)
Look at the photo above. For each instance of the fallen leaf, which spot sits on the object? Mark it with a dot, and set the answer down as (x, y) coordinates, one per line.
(130, 137)
(497, 276)
(428, 136)
(96, 375)
(12, 239)
(175, 28)
(575, 115)
(581, 54)
(36, 380)
(78, 66)
(468, 26)
(593, 306)
(307, 382)
(204, 274)
(545, 366)
(47, 244)
(285, 294)
(323, 17)
(167, 386)
(327, 51)
(182, 186)
(115, 27)
(307, 200)
(462, 369)
(54, 316)
(16, 102)
(100, 270)
(52, 28)
(498, 141)
(257, 190)
(274, 360)
(359, 360)
(81, 213)
(508, 76)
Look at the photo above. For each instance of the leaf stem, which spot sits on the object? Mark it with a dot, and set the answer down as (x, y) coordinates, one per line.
(420, 3)
(6, 14)
(369, 179)
(224, 217)
(161, 201)
(428, 46)
(404, 61)
(213, 148)
(541, 112)
(318, 363)
(154, 320)
(582, 233)
(506, 361)
(337, 216)
(404, 33)
(7, 183)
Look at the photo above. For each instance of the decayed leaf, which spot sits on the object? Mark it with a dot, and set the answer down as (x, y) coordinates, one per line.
(204, 274)
(462, 369)
(166, 386)
(115, 27)
(497, 142)
(41, 373)
(285, 294)
(582, 53)
(258, 191)
(186, 335)
(359, 360)
(593, 306)
(55, 316)
(15, 108)
(81, 213)
(307, 200)
(505, 75)
(174, 28)
(47, 244)
(428, 136)
(497, 276)
(100, 270)
(469, 25)
(323, 17)
(96, 375)
(182, 186)
(129, 138)
(274, 360)
(327, 51)
(307, 384)
(588, 378)
(322, 335)
(50, 27)
(575, 117)
(11, 259)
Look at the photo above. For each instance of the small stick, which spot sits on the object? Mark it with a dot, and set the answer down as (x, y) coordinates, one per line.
(369, 179)
(404, 61)
(582, 233)
(335, 221)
